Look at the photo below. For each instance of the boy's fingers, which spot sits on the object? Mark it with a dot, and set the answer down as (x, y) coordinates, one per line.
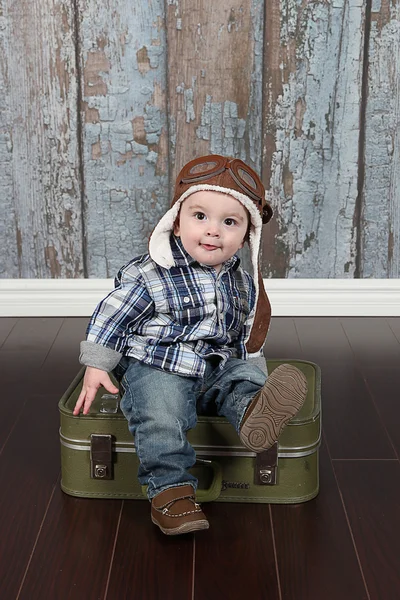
(85, 399)
(79, 403)
(108, 384)
(90, 396)
(111, 388)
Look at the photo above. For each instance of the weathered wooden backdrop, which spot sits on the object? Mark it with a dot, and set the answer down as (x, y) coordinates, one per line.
(102, 102)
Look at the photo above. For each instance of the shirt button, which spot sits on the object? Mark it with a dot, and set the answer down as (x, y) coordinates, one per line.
(186, 299)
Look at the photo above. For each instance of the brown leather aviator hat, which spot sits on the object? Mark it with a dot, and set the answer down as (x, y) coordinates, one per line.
(230, 176)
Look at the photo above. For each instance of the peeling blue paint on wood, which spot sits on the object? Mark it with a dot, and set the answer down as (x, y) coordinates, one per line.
(40, 228)
(125, 130)
(315, 165)
(380, 249)
(215, 108)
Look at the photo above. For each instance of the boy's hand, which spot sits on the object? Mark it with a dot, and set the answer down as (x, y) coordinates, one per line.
(94, 378)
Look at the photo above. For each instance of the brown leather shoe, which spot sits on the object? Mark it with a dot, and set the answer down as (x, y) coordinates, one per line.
(176, 511)
(280, 398)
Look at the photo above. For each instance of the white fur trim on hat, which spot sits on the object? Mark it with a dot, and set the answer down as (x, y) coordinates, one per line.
(159, 244)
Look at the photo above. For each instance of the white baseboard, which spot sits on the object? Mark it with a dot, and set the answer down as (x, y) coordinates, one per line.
(289, 297)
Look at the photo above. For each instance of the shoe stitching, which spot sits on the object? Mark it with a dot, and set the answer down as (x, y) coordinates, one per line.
(164, 510)
(184, 514)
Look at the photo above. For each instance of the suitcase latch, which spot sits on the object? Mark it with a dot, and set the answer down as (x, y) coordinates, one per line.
(267, 466)
(101, 465)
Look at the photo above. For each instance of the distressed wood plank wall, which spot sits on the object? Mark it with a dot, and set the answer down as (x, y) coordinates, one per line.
(380, 224)
(314, 66)
(101, 104)
(41, 224)
(215, 89)
(125, 140)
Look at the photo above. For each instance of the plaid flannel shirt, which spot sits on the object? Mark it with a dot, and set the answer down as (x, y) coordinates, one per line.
(172, 319)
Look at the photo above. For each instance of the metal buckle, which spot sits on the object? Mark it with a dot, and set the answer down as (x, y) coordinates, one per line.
(101, 464)
(266, 470)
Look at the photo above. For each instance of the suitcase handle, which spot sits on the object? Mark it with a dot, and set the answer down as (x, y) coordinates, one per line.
(212, 493)
(214, 490)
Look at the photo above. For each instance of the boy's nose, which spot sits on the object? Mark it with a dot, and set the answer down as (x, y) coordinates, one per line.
(213, 230)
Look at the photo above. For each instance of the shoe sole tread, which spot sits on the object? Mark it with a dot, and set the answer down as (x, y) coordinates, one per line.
(278, 401)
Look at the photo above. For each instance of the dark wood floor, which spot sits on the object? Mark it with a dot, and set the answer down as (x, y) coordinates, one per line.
(344, 545)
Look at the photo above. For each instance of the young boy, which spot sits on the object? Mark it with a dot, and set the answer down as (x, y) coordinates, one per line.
(184, 328)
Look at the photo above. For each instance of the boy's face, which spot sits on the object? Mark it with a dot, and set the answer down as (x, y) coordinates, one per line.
(212, 227)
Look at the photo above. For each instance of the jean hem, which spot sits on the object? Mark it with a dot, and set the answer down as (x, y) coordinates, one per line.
(245, 403)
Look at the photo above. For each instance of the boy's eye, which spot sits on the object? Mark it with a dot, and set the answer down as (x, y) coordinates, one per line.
(200, 216)
(230, 222)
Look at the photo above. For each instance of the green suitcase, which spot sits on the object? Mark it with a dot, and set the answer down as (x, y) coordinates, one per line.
(98, 458)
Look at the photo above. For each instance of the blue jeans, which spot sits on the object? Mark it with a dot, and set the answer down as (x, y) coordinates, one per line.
(161, 407)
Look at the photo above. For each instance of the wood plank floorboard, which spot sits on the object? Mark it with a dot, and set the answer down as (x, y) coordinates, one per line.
(148, 564)
(15, 391)
(31, 334)
(371, 491)
(235, 557)
(29, 468)
(282, 340)
(315, 552)
(372, 340)
(62, 364)
(74, 551)
(21, 357)
(351, 422)
(6, 326)
(341, 546)
(30, 458)
(323, 340)
(28, 372)
(384, 385)
(394, 324)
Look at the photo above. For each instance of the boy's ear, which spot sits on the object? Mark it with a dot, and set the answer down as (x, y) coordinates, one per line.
(247, 236)
(176, 226)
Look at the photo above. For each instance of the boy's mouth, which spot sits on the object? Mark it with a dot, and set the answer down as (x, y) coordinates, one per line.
(209, 247)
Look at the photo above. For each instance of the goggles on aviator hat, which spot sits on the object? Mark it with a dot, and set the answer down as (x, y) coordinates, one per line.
(230, 173)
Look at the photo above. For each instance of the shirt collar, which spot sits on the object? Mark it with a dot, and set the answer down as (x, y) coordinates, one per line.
(183, 259)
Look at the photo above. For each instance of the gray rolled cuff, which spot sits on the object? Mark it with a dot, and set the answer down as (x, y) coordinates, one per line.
(98, 356)
(260, 362)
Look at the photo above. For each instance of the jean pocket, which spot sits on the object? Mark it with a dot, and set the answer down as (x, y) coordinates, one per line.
(125, 403)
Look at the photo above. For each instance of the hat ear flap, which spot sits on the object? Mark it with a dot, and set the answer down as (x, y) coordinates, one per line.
(261, 321)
